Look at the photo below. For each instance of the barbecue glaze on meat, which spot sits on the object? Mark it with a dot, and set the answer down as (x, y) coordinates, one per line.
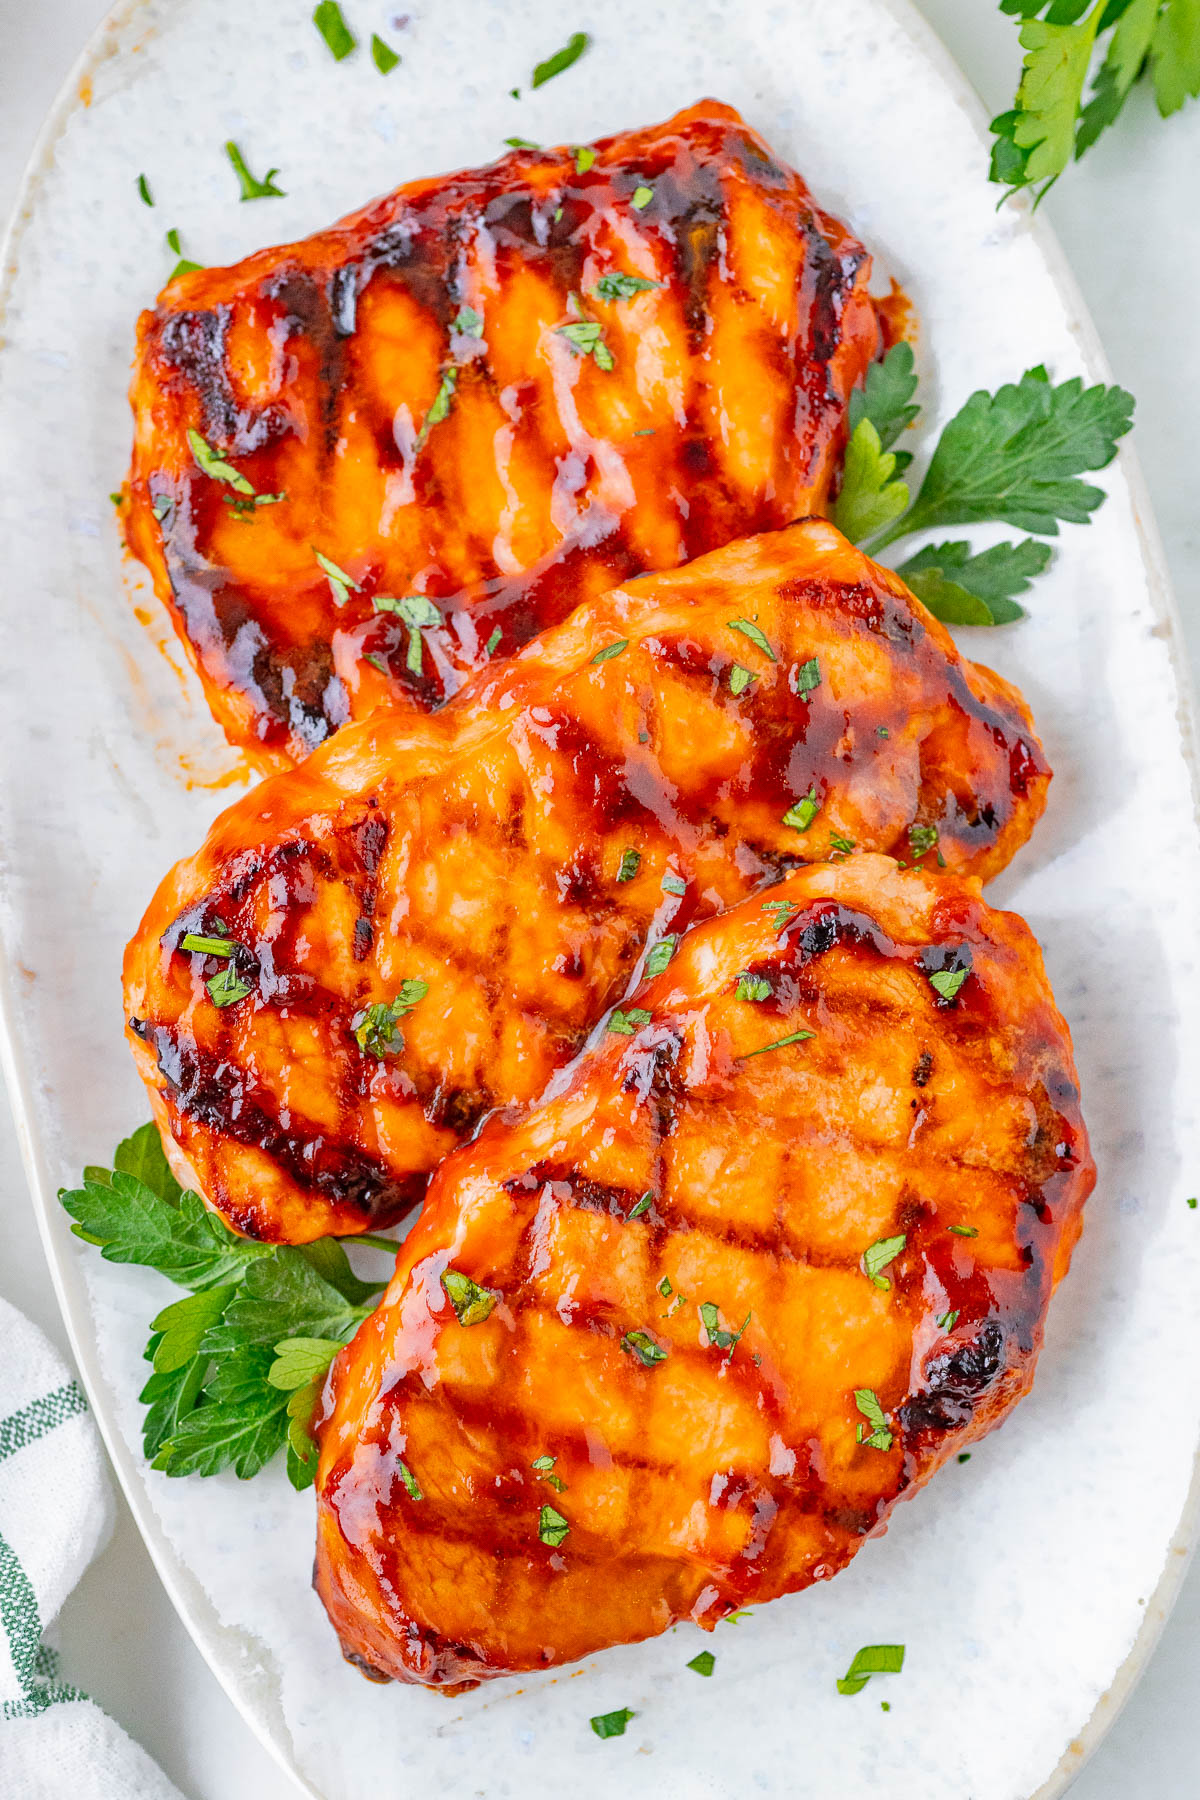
(711, 1462)
(517, 851)
(315, 370)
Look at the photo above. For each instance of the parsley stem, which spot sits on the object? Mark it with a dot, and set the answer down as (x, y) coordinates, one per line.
(374, 1243)
(897, 529)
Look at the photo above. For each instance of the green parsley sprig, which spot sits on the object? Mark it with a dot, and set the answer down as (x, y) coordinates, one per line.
(238, 1363)
(1013, 457)
(1050, 120)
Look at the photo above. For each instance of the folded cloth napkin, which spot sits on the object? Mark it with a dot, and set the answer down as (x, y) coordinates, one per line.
(56, 1513)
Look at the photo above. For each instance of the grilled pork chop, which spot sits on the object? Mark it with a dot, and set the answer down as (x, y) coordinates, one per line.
(425, 919)
(503, 390)
(676, 1340)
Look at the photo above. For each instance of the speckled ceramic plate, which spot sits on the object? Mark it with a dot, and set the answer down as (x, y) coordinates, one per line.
(1027, 1584)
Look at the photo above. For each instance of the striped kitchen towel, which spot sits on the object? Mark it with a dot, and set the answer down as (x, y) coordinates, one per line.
(56, 1512)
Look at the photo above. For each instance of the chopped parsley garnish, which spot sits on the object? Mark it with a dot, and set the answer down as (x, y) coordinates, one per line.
(211, 463)
(642, 1206)
(947, 982)
(340, 584)
(837, 842)
(200, 945)
(964, 1230)
(611, 650)
(801, 815)
(584, 158)
(162, 509)
(796, 1037)
(627, 1022)
(252, 189)
(921, 839)
(872, 1659)
(333, 28)
(641, 1346)
(467, 322)
(735, 1618)
(610, 1725)
(660, 955)
(642, 196)
(665, 1288)
(749, 629)
(1193, 1203)
(618, 286)
(877, 1257)
(542, 1463)
(227, 987)
(964, 1456)
(376, 1029)
(518, 143)
(184, 266)
(882, 731)
(879, 1437)
(710, 1316)
(740, 679)
(552, 1527)
(631, 861)
(143, 188)
(410, 1481)
(704, 1663)
(808, 677)
(440, 408)
(377, 662)
(948, 1321)
(382, 55)
(472, 1304)
(562, 59)
(752, 987)
(490, 647)
(784, 910)
(586, 338)
(417, 611)
(674, 884)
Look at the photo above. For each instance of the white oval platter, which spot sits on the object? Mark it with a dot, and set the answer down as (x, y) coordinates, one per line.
(1027, 1585)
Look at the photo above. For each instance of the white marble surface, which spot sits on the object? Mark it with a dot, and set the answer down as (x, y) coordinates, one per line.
(1119, 217)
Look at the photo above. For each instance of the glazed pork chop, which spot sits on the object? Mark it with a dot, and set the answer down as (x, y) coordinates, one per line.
(425, 919)
(364, 463)
(677, 1339)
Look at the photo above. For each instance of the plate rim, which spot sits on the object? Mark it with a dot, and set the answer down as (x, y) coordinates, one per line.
(188, 1599)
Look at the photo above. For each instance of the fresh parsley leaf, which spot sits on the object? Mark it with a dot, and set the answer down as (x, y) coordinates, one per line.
(375, 1027)
(585, 157)
(542, 1463)
(562, 59)
(552, 1527)
(872, 1659)
(784, 911)
(227, 987)
(440, 409)
(752, 987)
(642, 1206)
(611, 1725)
(947, 982)
(333, 28)
(143, 188)
(921, 840)
(674, 884)
(181, 1327)
(472, 1304)
(964, 1230)
(871, 496)
(948, 1321)
(885, 397)
(642, 1347)
(739, 679)
(710, 1317)
(299, 1360)
(801, 815)
(838, 842)
(642, 196)
(211, 463)
(879, 1437)
(168, 1398)
(490, 646)
(586, 338)
(282, 1296)
(626, 1023)
(1014, 456)
(665, 1288)
(704, 1663)
(199, 945)
(750, 630)
(617, 286)
(808, 677)
(660, 955)
(879, 1254)
(382, 55)
(961, 589)
(611, 650)
(251, 188)
(183, 266)
(241, 1423)
(410, 1481)
(519, 143)
(796, 1037)
(131, 1221)
(630, 863)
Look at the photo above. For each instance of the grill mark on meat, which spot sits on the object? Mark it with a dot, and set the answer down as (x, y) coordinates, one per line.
(957, 1382)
